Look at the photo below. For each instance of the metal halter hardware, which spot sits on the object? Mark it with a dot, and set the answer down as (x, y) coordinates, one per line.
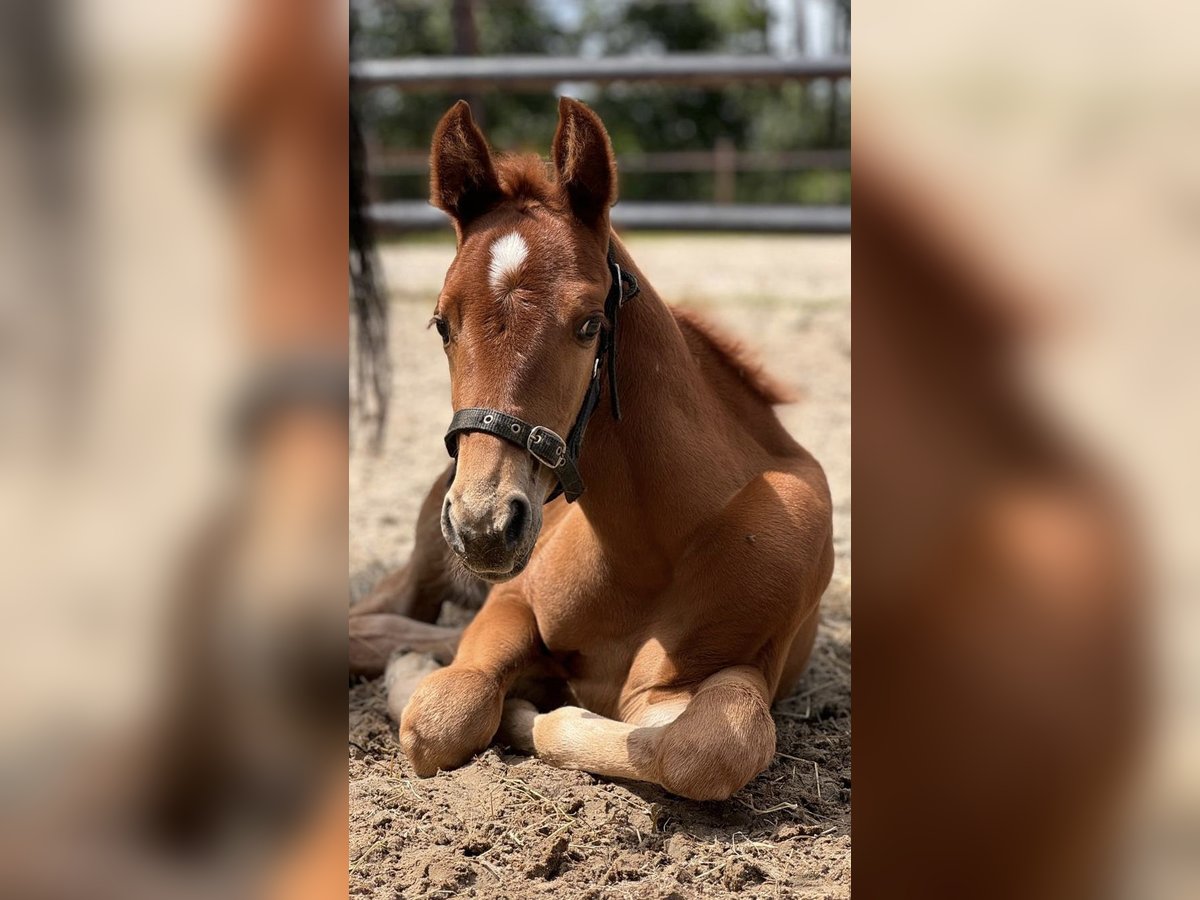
(548, 448)
(541, 440)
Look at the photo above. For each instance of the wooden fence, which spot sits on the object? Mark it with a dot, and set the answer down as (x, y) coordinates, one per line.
(473, 73)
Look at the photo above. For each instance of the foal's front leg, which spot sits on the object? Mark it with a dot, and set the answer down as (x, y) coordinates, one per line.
(455, 711)
(723, 737)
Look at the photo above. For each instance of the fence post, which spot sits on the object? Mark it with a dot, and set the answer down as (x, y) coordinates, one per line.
(724, 171)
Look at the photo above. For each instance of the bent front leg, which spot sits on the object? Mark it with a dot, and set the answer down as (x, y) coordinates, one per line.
(723, 738)
(455, 712)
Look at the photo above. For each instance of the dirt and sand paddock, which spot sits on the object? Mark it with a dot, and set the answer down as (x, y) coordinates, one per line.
(509, 826)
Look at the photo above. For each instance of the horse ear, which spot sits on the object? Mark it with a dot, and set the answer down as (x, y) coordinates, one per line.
(462, 178)
(584, 159)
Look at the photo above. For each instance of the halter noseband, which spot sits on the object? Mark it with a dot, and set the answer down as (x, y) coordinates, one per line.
(558, 455)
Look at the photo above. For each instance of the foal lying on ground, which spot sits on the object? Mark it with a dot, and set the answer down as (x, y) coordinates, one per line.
(674, 600)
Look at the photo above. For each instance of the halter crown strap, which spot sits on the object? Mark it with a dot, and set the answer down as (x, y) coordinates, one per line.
(548, 448)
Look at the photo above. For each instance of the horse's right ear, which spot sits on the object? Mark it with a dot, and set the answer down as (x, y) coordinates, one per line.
(462, 178)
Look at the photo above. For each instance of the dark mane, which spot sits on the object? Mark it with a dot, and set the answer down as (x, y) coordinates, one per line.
(730, 351)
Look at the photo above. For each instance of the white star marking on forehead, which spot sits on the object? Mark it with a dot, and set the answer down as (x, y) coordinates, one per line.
(507, 255)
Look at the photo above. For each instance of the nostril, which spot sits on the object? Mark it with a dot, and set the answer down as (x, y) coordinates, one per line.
(518, 514)
(449, 532)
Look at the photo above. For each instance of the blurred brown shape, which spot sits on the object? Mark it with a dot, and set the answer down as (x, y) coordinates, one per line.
(998, 658)
(222, 782)
(255, 739)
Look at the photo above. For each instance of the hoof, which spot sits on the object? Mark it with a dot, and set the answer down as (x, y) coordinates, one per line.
(453, 714)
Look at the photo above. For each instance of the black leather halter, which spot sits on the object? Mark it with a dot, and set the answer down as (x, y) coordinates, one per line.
(559, 455)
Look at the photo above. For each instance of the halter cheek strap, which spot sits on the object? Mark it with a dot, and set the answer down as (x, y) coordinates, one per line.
(548, 448)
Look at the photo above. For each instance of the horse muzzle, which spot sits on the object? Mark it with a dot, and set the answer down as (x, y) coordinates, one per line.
(493, 537)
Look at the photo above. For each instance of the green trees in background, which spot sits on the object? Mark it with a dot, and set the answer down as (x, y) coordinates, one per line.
(641, 118)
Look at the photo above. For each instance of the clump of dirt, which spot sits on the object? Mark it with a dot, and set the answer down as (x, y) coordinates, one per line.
(508, 826)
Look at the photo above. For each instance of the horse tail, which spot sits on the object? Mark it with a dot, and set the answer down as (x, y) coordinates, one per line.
(368, 294)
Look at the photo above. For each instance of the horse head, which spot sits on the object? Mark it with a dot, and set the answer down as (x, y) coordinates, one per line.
(523, 315)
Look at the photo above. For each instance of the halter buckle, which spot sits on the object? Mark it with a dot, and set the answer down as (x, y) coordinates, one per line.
(546, 447)
(625, 283)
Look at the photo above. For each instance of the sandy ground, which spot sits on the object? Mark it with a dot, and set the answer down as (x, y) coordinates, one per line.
(509, 826)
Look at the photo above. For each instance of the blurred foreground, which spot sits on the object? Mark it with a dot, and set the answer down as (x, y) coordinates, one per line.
(173, 460)
(1025, 196)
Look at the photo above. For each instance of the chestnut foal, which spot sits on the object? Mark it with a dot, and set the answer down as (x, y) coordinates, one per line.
(677, 597)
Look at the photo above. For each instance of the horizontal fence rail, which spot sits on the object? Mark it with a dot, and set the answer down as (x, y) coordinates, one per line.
(416, 162)
(415, 215)
(433, 73)
(692, 69)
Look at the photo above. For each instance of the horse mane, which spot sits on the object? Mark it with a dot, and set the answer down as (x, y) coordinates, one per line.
(526, 176)
(734, 355)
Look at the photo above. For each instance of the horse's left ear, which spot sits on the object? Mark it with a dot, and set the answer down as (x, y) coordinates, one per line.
(584, 159)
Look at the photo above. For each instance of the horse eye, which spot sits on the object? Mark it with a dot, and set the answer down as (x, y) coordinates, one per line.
(590, 328)
(442, 328)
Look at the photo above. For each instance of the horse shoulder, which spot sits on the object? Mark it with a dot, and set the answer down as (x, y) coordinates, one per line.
(785, 511)
(760, 567)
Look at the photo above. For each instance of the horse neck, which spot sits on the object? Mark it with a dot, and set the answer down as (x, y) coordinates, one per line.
(669, 464)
